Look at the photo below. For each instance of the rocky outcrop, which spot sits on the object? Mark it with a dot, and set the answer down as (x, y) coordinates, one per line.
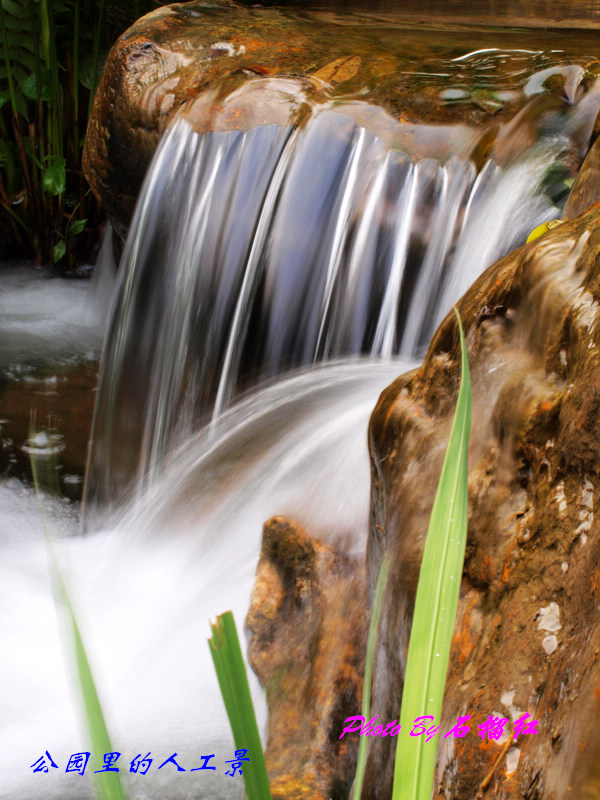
(194, 57)
(165, 60)
(307, 622)
(527, 637)
(586, 189)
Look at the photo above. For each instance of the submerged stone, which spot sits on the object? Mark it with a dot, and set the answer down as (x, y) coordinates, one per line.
(454, 95)
(486, 100)
(191, 57)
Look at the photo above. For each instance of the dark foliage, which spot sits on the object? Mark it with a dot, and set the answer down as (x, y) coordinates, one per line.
(51, 55)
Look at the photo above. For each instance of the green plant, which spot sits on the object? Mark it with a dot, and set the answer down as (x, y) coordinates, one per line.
(107, 785)
(361, 761)
(51, 56)
(233, 682)
(431, 634)
(435, 605)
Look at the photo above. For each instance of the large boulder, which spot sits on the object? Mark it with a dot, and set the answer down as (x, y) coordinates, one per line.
(193, 57)
(527, 637)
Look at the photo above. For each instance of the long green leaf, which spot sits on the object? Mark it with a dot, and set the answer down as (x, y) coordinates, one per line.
(49, 43)
(363, 742)
(233, 682)
(107, 785)
(435, 606)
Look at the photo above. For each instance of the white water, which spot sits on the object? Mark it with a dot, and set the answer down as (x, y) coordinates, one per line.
(46, 320)
(146, 588)
(255, 252)
(357, 227)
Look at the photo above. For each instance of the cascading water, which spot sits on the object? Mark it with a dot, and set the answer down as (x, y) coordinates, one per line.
(253, 254)
(256, 252)
(146, 588)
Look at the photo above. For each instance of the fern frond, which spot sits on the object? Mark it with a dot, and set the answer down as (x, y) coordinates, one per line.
(17, 55)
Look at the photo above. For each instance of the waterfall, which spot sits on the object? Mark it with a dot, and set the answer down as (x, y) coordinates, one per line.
(274, 282)
(256, 252)
(145, 588)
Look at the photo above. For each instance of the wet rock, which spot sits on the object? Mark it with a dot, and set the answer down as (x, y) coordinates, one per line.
(563, 81)
(340, 70)
(586, 189)
(527, 636)
(308, 622)
(487, 101)
(195, 57)
(539, 14)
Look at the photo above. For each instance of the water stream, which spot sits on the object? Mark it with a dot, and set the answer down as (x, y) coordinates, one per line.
(146, 588)
(274, 281)
(349, 246)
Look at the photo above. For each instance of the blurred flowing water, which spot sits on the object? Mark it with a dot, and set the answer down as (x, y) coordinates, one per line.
(255, 252)
(274, 281)
(145, 588)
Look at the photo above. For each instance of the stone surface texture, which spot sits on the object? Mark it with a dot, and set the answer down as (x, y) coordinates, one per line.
(307, 624)
(527, 638)
(586, 189)
(533, 333)
(193, 57)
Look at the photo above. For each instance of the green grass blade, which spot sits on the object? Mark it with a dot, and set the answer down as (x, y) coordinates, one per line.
(233, 681)
(107, 785)
(435, 606)
(363, 741)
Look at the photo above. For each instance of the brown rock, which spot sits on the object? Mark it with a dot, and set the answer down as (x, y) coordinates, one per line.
(586, 189)
(148, 76)
(584, 14)
(340, 70)
(533, 334)
(308, 623)
(229, 66)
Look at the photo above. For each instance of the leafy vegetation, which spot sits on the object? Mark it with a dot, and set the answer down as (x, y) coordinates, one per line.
(435, 605)
(51, 55)
(107, 785)
(233, 682)
(431, 633)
